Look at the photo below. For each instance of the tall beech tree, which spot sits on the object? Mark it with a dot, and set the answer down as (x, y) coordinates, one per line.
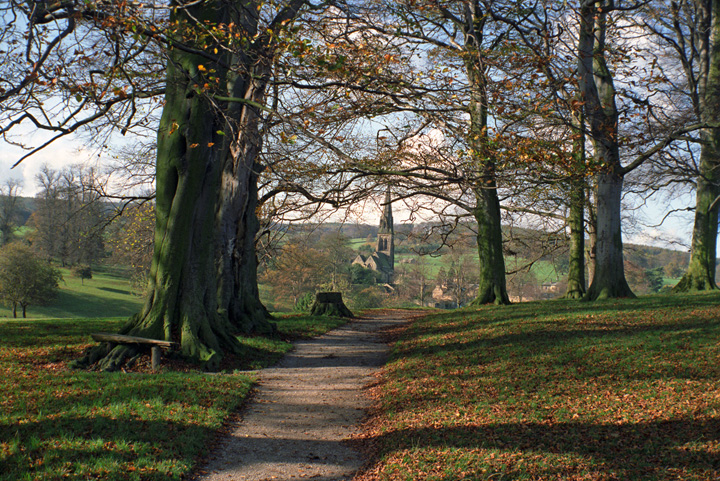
(451, 154)
(598, 94)
(602, 116)
(690, 30)
(219, 56)
(203, 285)
(555, 120)
(629, 131)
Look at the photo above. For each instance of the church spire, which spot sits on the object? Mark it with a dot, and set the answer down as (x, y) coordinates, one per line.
(386, 221)
(386, 239)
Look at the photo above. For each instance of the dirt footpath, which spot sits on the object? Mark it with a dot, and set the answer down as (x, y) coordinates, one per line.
(306, 407)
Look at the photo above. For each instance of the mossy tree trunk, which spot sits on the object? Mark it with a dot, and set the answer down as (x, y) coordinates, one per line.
(492, 283)
(203, 284)
(700, 275)
(576, 223)
(576, 217)
(181, 305)
(237, 208)
(330, 304)
(598, 92)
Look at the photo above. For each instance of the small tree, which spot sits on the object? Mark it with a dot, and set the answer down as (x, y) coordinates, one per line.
(25, 279)
(83, 271)
(9, 197)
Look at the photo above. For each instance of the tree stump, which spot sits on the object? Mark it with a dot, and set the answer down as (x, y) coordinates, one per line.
(330, 304)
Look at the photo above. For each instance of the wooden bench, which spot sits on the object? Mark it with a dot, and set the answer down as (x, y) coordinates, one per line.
(155, 344)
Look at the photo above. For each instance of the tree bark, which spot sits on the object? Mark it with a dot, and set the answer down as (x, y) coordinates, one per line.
(598, 91)
(202, 286)
(576, 218)
(700, 275)
(237, 217)
(609, 277)
(492, 283)
(576, 222)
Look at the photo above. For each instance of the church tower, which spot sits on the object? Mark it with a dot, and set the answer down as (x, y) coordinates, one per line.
(386, 235)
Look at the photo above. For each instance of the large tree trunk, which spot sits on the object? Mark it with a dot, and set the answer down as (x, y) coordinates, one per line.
(238, 268)
(237, 210)
(492, 284)
(598, 91)
(186, 303)
(609, 277)
(182, 305)
(700, 275)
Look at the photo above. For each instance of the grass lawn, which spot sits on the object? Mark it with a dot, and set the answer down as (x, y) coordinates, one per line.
(561, 390)
(56, 423)
(107, 294)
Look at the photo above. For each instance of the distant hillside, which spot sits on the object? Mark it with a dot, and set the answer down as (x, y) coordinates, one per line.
(649, 257)
(409, 236)
(525, 243)
(26, 206)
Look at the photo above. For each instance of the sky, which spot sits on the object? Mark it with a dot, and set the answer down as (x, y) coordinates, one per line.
(61, 154)
(675, 233)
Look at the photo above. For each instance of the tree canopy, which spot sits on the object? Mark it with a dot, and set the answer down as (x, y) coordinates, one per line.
(25, 278)
(478, 112)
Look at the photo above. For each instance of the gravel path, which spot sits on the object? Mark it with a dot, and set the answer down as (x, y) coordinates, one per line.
(306, 407)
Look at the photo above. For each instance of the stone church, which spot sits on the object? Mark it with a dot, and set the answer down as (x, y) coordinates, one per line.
(383, 259)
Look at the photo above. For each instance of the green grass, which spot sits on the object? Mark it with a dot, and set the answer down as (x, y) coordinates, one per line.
(302, 326)
(356, 242)
(57, 423)
(616, 390)
(107, 294)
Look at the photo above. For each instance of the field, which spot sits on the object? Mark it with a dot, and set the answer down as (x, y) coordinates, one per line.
(617, 390)
(107, 294)
(57, 423)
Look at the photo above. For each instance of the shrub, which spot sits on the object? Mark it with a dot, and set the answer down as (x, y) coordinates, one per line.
(25, 278)
(82, 271)
(305, 302)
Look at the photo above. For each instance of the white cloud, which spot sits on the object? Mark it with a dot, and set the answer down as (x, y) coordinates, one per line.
(58, 155)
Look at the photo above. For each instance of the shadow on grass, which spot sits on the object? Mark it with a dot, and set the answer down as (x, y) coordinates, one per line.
(583, 348)
(628, 451)
(91, 447)
(116, 291)
(84, 304)
(40, 333)
(542, 311)
(117, 272)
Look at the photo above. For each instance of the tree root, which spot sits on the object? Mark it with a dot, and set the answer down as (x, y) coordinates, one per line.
(106, 356)
(493, 295)
(694, 283)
